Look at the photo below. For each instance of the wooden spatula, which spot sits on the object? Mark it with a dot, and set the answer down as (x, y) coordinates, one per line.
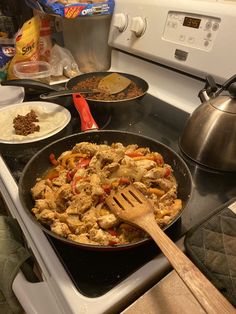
(113, 83)
(131, 206)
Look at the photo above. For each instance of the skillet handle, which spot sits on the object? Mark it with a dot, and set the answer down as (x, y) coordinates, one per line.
(35, 85)
(87, 121)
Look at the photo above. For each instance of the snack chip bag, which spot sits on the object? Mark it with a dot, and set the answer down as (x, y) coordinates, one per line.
(7, 52)
(26, 44)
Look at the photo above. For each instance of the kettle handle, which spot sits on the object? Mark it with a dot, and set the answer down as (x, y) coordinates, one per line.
(228, 85)
(209, 89)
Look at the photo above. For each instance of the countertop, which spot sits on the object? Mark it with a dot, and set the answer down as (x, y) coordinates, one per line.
(169, 296)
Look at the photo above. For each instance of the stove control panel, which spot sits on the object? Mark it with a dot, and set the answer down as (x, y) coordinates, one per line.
(192, 30)
(196, 37)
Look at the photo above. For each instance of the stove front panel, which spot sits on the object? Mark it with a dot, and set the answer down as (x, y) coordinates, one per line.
(195, 37)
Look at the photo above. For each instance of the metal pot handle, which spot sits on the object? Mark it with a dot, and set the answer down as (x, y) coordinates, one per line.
(32, 84)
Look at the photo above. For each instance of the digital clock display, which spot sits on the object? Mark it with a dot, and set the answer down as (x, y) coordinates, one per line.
(191, 22)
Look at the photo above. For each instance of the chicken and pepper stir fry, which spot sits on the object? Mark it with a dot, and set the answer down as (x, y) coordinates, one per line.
(70, 198)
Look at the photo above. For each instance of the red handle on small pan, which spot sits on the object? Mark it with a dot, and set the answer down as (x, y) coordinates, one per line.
(87, 120)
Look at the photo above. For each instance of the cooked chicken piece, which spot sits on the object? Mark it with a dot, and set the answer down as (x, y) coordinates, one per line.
(101, 210)
(130, 234)
(64, 192)
(141, 187)
(62, 217)
(80, 204)
(60, 180)
(81, 238)
(87, 148)
(64, 154)
(166, 184)
(107, 221)
(80, 173)
(102, 237)
(154, 174)
(110, 168)
(128, 161)
(167, 213)
(169, 196)
(95, 182)
(176, 206)
(145, 164)
(127, 169)
(60, 228)
(46, 216)
(118, 145)
(95, 164)
(73, 222)
(106, 157)
(111, 155)
(131, 148)
(74, 207)
(81, 229)
(90, 219)
(40, 188)
(45, 204)
(62, 196)
(134, 169)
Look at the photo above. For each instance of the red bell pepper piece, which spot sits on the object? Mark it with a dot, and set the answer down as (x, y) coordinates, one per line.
(53, 160)
(124, 181)
(106, 188)
(167, 172)
(112, 242)
(83, 162)
(70, 174)
(112, 232)
(134, 154)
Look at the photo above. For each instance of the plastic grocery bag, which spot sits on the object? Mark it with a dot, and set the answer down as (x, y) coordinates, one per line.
(62, 62)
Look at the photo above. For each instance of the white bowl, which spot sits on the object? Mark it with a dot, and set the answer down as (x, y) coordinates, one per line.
(11, 95)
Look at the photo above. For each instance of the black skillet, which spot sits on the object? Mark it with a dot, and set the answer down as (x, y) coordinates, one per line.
(72, 83)
(39, 164)
(41, 87)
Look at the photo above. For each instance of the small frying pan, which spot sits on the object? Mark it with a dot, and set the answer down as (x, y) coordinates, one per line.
(72, 84)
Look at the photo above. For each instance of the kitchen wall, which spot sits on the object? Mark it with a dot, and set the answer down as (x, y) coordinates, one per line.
(16, 11)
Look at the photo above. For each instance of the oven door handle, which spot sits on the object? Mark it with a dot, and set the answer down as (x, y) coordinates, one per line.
(34, 297)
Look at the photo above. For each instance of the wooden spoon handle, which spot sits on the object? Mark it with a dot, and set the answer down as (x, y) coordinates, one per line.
(211, 300)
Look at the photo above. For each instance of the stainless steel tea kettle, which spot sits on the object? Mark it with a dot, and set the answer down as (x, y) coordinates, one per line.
(209, 136)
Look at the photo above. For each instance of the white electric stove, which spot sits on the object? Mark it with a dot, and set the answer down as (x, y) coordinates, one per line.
(172, 46)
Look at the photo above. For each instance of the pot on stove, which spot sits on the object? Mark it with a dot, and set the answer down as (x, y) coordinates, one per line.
(209, 136)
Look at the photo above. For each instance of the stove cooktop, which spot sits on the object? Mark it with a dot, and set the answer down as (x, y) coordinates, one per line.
(93, 272)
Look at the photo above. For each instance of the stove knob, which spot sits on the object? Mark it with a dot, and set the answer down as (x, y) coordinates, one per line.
(120, 21)
(138, 25)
